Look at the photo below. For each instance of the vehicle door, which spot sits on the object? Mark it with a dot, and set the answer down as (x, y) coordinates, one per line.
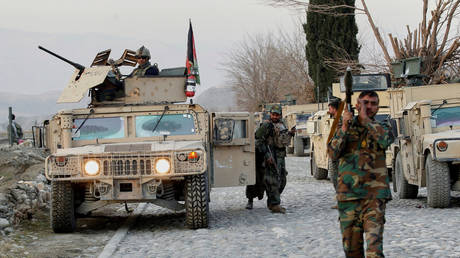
(233, 149)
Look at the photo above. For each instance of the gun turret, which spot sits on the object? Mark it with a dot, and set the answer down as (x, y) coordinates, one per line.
(80, 67)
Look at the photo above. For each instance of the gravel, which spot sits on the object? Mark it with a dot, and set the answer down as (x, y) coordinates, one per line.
(309, 228)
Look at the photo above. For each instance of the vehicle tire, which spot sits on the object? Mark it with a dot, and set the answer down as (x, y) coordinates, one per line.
(62, 210)
(318, 173)
(196, 201)
(333, 171)
(438, 183)
(298, 146)
(403, 188)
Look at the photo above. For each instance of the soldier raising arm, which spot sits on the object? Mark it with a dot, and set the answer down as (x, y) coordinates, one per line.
(363, 182)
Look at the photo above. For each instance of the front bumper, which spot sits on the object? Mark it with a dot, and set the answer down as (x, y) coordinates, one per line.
(124, 176)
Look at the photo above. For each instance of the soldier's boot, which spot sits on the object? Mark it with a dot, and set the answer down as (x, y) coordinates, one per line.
(277, 209)
(249, 205)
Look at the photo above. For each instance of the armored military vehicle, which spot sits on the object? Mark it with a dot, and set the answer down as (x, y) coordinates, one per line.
(140, 141)
(319, 125)
(297, 116)
(427, 150)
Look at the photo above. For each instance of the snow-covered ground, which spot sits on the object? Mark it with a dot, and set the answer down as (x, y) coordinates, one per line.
(309, 228)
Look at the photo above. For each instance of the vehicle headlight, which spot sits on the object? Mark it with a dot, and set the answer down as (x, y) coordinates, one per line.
(442, 146)
(162, 166)
(92, 167)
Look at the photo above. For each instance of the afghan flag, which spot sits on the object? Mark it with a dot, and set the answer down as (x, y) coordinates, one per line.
(192, 63)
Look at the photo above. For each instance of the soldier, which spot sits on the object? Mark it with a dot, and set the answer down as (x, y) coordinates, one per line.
(15, 131)
(272, 137)
(144, 67)
(363, 184)
(333, 106)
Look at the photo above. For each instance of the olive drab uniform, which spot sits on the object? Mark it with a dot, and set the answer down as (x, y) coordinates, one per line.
(363, 185)
(257, 190)
(271, 141)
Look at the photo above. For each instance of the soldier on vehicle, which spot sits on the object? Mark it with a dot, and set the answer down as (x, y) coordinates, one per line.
(272, 137)
(15, 131)
(144, 67)
(363, 183)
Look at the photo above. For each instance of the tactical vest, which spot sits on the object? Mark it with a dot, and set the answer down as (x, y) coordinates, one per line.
(140, 71)
(280, 137)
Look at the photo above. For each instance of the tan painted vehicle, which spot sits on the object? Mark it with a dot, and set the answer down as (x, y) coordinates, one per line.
(297, 116)
(138, 141)
(319, 125)
(427, 150)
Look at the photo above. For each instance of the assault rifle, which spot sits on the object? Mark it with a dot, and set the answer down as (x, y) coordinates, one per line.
(274, 160)
(348, 92)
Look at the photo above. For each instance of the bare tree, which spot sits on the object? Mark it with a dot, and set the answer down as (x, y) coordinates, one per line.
(431, 41)
(264, 68)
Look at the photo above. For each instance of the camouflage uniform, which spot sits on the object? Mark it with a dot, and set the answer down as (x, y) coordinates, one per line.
(363, 185)
(268, 140)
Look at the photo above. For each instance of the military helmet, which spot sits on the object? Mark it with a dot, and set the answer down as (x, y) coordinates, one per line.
(276, 109)
(143, 51)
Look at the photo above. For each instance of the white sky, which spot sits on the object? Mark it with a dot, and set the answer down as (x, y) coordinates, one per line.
(79, 29)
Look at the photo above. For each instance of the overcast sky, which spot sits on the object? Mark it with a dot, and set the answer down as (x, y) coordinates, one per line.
(79, 29)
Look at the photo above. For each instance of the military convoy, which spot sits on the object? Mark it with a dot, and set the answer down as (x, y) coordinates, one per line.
(427, 150)
(140, 141)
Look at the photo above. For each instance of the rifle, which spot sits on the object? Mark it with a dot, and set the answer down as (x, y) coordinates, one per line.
(274, 161)
(80, 67)
(348, 92)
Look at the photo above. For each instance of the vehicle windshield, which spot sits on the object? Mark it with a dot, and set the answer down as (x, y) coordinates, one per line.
(98, 128)
(170, 124)
(448, 116)
(366, 82)
(302, 118)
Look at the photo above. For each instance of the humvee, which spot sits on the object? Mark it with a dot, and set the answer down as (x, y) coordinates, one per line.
(297, 115)
(140, 141)
(319, 125)
(427, 150)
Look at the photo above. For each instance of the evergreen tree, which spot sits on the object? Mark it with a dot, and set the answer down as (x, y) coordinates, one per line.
(326, 33)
